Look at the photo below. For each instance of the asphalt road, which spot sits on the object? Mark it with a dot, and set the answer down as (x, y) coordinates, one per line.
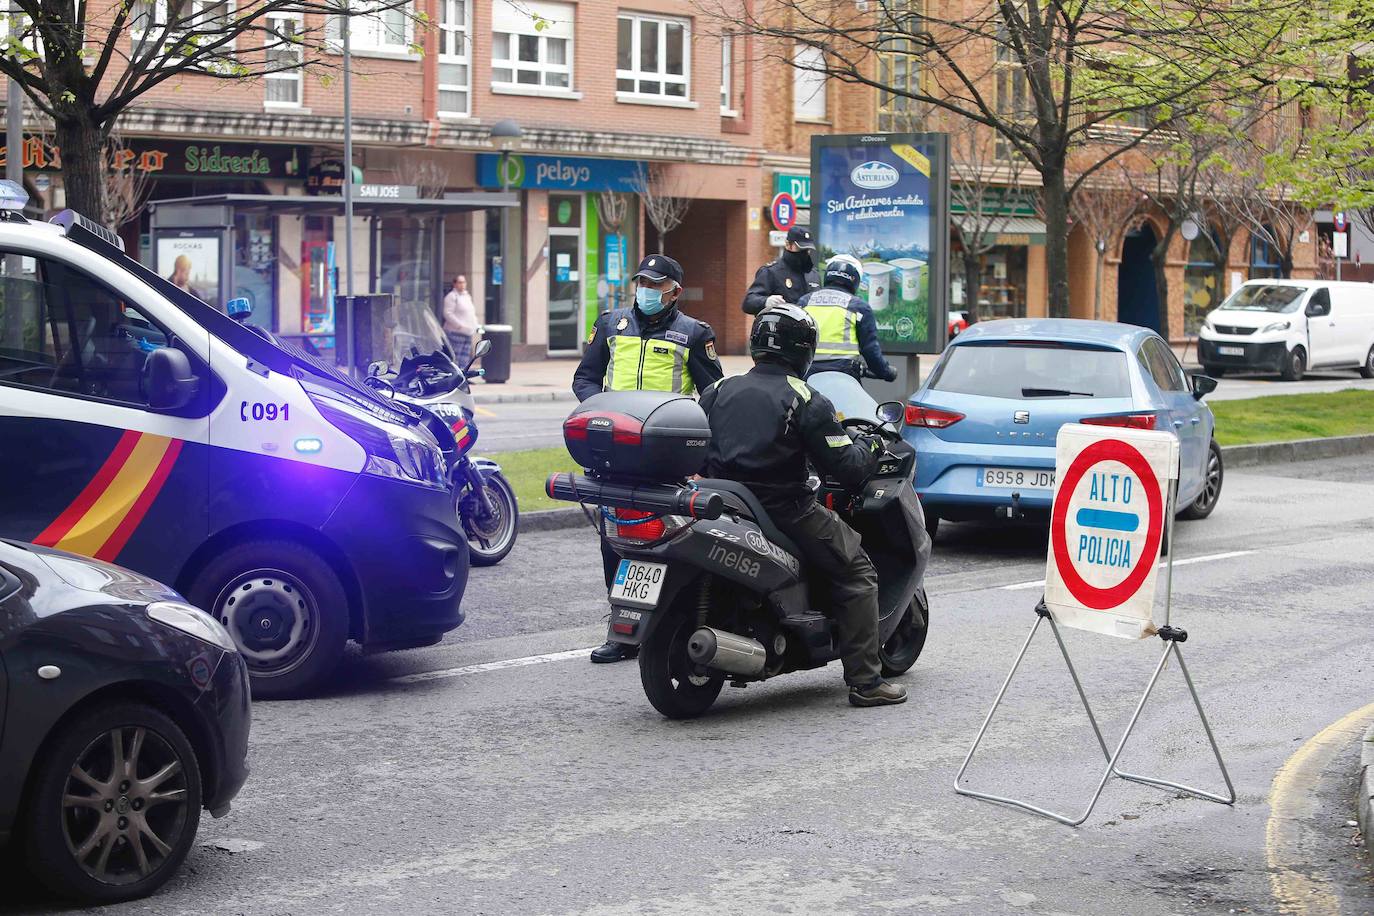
(455, 780)
(508, 427)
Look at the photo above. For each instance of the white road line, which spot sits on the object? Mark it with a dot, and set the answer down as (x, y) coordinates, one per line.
(1187, 561)
(422, 676)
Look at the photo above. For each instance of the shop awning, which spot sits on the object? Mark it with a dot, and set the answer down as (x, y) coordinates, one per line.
(1008, 230)
(362, 206)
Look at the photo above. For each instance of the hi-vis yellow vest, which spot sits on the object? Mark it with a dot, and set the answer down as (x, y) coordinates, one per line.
(837, 325)
(657, 363)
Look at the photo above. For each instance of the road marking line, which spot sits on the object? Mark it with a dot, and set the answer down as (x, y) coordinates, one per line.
(1187, 561)
(422, 676)
(1290, 802)
(483, 411)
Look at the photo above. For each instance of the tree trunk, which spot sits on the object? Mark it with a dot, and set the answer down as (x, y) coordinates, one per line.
(1159, 259)
(82, 143)
(1056, 197)
(973, 280)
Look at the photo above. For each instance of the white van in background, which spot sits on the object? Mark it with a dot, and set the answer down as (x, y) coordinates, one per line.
(1290, 326)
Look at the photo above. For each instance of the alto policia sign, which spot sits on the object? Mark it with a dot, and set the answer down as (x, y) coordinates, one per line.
(884, 198)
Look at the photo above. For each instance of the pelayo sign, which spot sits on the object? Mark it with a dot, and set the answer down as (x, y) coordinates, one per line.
(884, 199)
(558, 173)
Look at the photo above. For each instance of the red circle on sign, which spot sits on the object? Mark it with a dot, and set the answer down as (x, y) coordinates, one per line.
(783, 198)
(1099, 599)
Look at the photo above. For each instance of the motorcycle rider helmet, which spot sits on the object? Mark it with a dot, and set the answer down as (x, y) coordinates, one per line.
(843, 273)
(786, 333)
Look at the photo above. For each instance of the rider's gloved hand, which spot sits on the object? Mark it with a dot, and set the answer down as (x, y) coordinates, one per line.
(773, 300)
(890, 375)
(874, 444)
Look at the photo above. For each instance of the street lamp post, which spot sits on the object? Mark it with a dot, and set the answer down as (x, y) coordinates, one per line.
(506, 135)
(345, 29)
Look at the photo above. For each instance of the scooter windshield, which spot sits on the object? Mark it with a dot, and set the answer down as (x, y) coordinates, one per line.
(414, 327)
(845, 392)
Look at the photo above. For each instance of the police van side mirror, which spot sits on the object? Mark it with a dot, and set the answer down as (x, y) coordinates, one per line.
(891, 412)
(169, 382)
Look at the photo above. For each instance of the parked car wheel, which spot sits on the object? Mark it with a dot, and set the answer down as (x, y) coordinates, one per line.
(1211, 489)
(285, 608)
(1295, 365)
(116, 804)
(1367, 370)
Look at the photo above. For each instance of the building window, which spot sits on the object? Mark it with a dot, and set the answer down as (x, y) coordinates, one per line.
(653, 57)
(727, 75)
(386, 30)
(526, 58)
(284, 57)
(453, 57)
(1264, 257)
(808, 83)
(161, 29)
(899, 69)
(1202, 280)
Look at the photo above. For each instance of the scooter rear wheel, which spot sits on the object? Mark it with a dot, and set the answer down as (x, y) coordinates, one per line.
(904, 646)
(667, 675)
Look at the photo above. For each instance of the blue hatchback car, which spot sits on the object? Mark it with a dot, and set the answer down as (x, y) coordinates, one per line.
(985, 421)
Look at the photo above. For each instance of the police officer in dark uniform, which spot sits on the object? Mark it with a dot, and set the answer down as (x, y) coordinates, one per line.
(788, 278)
(765, 426)
(845, 324)
(651, 346)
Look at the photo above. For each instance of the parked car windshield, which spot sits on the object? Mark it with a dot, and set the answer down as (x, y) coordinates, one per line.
(1020, 371)
(1265, 298)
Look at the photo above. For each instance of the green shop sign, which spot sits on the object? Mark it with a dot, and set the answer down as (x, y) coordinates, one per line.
(799, 186)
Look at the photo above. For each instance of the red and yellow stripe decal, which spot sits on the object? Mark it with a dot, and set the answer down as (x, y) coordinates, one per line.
(102, 518)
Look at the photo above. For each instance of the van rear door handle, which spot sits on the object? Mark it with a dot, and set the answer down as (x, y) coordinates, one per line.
(1178, 424)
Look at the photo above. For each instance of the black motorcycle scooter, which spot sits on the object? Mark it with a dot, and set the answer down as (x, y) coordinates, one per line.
(708, 587)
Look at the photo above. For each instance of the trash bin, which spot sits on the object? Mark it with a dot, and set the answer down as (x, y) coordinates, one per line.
(496, 364)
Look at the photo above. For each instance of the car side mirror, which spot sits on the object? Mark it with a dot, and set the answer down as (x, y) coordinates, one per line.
(1318, 309)
(891, 412)
(1202, 385)
(169, 382)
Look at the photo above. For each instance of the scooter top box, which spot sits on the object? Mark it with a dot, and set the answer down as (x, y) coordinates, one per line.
(653, 436)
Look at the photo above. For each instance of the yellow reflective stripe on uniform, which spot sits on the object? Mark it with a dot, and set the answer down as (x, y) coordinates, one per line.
(837, 441)
(799, 387)
(637, 364)
(834, 330)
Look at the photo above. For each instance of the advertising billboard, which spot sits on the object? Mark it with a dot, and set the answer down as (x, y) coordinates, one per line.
(884, 199)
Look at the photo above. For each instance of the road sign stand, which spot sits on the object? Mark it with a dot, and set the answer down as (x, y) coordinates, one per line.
(1172, 637)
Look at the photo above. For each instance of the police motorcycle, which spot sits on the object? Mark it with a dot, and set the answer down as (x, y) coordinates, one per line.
(708, 587)
(485, 499)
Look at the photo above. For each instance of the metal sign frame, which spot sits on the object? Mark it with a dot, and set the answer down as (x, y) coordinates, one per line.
(1172, 637)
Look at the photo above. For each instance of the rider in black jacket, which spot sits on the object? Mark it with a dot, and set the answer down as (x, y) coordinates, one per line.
(765, 426)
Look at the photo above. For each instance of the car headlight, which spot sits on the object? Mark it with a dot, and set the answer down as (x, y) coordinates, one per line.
(193, 622)
(1276, 326)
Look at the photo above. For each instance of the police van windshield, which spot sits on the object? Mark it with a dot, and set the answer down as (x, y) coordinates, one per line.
(1265, 298)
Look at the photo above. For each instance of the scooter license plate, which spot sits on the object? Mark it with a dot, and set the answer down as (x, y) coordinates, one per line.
(638, 583)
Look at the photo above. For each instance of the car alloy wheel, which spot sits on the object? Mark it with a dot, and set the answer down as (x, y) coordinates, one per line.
(125, 805)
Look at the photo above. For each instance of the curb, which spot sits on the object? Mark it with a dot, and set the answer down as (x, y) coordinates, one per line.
(1364, 796)
(551, 520)
(530, 397)
(1244, 456)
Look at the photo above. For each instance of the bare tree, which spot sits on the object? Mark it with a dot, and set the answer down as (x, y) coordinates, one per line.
(1068, 87)
(1262, 202)
(429, 178)
(82, 65)
(126, 186)
(1104, 210)
(666, 202)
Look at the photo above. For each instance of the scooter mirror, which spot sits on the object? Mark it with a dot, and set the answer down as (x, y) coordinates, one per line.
(891, 412)
(482, 349)
(377, 367)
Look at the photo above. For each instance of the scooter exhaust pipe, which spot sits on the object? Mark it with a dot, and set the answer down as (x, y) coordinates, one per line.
(727, 652)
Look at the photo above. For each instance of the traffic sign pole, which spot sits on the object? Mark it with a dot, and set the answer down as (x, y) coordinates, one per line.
(1123, 592)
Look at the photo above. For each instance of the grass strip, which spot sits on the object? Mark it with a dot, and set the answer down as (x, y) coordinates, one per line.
(1294, 416)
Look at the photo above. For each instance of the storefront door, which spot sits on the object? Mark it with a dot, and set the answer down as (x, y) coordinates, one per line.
(565, 273)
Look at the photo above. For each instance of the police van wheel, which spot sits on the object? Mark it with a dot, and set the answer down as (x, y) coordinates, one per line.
(285, 608)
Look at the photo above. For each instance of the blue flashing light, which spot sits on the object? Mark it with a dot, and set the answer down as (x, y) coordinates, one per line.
(309, 446)
(12, 195)
(239, 308)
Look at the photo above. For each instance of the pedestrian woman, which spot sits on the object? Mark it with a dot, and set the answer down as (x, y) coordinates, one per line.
(460, 319)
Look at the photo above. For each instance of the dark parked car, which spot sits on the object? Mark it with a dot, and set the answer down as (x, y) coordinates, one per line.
(123, 711)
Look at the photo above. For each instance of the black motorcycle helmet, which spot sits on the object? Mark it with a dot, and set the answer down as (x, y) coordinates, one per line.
(842, 274)
(785, 333)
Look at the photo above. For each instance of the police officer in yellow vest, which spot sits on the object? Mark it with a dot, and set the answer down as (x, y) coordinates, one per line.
(847, 330)
(651, 346)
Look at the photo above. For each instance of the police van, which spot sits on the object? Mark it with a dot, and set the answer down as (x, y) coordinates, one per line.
(141, 426)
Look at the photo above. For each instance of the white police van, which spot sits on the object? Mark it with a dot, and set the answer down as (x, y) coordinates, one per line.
(141, 426)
